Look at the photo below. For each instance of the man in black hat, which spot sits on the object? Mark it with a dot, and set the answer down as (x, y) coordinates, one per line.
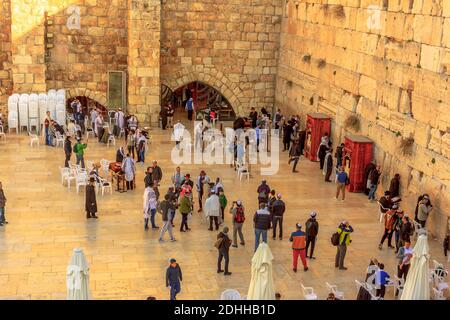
(173, 278)
(223, 244)
(91, 201)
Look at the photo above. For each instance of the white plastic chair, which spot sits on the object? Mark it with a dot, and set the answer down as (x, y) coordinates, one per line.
(308, 293)
(243, 172)
(13, 103)
(111, 139)
(333, 288)
(230, 294)
(89, 165)
(42, 102)
(59, 140)
(81, 180)
(438, 294)
(121, 133)
(105, 184)
(33, 139)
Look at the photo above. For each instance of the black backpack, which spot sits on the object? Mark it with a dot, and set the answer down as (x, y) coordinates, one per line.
(335, 238)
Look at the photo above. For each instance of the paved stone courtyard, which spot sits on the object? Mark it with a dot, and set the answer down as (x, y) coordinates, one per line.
(47, 221)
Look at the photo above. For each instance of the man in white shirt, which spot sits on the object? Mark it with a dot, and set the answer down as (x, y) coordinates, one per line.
(404, 255)
(120, 119)
(94, 115)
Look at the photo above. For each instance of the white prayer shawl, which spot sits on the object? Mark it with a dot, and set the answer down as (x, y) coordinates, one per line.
(178, 131)
(150, 201)
(212, 206)
(120, 119)
(129, 168)
(325, 164)
(98, 124)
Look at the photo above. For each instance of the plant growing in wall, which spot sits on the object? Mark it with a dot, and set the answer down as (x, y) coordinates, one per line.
(406, 146)
(352, 122)
(306, 58)
(339, 12)
(321, 64)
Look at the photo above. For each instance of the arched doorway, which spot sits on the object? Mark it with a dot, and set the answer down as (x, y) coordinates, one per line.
(204, 96)
(87, 104)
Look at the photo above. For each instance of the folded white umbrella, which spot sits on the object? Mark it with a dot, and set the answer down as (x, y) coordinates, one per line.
(261, 285)
(417, 286)
(78, 277)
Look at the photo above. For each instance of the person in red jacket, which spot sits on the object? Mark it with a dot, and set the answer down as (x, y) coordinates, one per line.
(298, 239)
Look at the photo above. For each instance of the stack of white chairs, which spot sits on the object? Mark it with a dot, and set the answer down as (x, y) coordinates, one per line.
(33, 112)
(332, 288)
(369, 289)
(60, 108)
(13, 112)
(51, 103)
(308, 293)
(23, 111)
(437, 276)
(399, 283)
(42, 109)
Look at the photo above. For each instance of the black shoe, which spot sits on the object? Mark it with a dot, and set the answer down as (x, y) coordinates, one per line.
(155, 227)
(219, 271)
(294, 171)
(188, 229)
(146, 228)
(274, 238)
(199, 210)
(295, 270)
(234, 245)
(95, 217)
(343, 268)
(281, 238)
(312, 257)
(227, 273)
(392, 247)
(173, 225)
(1, 224)
(5, 222)
(88, 217)
(182, 230)
(210, 229)
(305, 269)
(242, 243)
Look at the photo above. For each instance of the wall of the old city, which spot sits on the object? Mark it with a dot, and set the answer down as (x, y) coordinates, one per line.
(5, 54)
(81, 58)
(391, 72)
(231, 45)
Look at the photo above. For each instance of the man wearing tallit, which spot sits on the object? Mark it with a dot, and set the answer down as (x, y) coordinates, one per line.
(128, 166)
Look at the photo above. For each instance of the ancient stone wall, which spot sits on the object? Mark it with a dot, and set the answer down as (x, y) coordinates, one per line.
(27, 46)
(81, 58)
(231, 45)
(386, 63)
(5, 54)
(144, 33)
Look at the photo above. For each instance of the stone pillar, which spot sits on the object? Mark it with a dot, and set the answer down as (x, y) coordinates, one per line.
(144, 33)
(5, 55)
(28, 47)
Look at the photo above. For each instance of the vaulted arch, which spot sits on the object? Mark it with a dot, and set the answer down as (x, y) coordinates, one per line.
(210, 76)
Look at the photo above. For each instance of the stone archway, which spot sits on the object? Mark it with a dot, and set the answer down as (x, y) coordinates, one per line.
(210, 76)
(94, 95)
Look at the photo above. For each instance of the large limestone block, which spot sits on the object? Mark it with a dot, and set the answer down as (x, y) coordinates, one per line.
(367, 109)
(431, 57)
(446, 8)
(446, 32)
(368, 87)
(424, 110)
(428, 29)
(422, 134)
(445, 147)
(388, 95)
(423, 160)
(435, 141)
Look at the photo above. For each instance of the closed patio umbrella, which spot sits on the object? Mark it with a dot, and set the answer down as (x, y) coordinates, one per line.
(417, 286)
(78, 277)
(261, 285)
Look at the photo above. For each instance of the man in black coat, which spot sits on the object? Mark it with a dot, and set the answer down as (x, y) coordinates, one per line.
(294, 154)
(223, 246)
(278, 209)
(91, 201)
(312, 229)
(253, 117)
(67, 151)
(322, 153)
(157, 172)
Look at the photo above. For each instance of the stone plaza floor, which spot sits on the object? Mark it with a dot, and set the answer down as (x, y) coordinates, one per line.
(47, 221)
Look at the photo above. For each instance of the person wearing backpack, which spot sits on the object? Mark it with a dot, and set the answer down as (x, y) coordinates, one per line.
(238, 218)
(261, 220)
(312, 229)
(344, 230)
(78, 149)
(222, 244)
(298, 239)
(263, 192)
